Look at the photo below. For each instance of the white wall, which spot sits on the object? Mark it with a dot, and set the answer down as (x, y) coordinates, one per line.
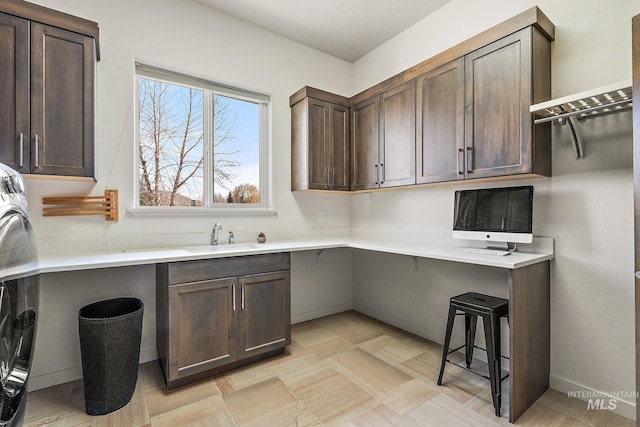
(587, 206)
(187, 36)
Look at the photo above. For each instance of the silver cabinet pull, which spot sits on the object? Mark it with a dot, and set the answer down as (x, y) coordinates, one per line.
(333, 177)
(37, 153)
(460, 162)
(382, 173)
(21, 155)
(376, 172)
(234, 296)
(469, 159)
(242, 296)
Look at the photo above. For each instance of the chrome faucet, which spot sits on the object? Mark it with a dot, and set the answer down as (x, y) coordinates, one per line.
(214, 233)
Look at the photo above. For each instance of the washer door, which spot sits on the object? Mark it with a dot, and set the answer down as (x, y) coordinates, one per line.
(18, 311)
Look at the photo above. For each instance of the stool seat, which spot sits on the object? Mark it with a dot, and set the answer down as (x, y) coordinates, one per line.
(481, 303)
(490, 309)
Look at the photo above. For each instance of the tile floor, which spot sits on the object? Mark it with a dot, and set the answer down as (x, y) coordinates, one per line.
(346, 369)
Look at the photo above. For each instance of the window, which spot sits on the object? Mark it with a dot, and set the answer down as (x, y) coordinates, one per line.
(200, 144)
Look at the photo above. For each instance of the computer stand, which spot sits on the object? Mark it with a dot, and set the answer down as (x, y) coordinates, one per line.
(502, 246)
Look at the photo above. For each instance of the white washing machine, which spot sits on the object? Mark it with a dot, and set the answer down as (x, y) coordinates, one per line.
(19, 283)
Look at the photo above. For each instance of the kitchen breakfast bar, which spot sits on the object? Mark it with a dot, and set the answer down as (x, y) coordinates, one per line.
(528, 286)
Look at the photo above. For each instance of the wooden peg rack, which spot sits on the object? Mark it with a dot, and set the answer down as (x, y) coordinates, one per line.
(106, 205)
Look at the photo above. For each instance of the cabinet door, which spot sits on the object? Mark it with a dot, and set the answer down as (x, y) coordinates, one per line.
(14, 90)
(339, 147)
(318, 140)
(440, 124)
(62, 100)
(364, 145)
(498, 95)
(397, 164)
(202, 326)
(265, 313)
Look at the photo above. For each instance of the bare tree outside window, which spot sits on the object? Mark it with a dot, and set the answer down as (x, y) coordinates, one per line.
(172, 144)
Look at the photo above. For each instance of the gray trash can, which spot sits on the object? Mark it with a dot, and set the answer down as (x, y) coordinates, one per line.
(110, 333)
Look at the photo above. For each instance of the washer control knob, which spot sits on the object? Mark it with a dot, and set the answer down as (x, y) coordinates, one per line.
(14, 184)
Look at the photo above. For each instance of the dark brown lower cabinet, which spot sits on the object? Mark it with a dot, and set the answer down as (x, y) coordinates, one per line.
(265, 319)
(207, 323)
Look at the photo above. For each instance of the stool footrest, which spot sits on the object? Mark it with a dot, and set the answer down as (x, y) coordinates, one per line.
(475, 346)
(474, 371)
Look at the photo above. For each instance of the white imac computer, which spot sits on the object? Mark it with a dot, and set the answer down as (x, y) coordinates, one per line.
(498, 216)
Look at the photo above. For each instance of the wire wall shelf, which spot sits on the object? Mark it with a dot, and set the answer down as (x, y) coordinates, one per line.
(572, 109)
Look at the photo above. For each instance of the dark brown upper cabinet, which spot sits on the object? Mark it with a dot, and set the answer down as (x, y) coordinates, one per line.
(500, 79)
(319, 141)
(15, 87)
(47, 71)
(365, 134)
(473, 113)
(398, 136)
(383, 145)
(440, 124)
(462, 114)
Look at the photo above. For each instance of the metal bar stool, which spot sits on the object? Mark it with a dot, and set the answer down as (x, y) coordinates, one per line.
(491, 309)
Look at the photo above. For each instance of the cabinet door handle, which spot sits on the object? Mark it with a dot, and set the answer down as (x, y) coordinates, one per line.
(376, 173)
(233, 296)
(326, 178)
(469, 159)
(242, 296)
(21, 155)
(37, 153)
(382, 173)
(460, 162)
(333, 178)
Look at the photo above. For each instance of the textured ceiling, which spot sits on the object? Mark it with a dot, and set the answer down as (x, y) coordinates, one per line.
(347, 29)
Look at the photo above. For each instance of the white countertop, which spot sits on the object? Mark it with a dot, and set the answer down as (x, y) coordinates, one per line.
(50, 263)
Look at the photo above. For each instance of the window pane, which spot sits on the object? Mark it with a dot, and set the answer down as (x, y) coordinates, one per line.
(236, 150)
(171, 144)
(200, 143)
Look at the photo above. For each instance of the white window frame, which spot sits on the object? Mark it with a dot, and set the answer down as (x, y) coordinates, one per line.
(264, 101)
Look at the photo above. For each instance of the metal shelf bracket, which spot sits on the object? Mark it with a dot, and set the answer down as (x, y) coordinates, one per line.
(573, 108)
(576, 137)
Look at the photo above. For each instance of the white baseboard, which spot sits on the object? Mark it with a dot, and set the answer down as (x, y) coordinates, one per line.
(325, 311)
(37, 382)
(400, 323)
(623, 405)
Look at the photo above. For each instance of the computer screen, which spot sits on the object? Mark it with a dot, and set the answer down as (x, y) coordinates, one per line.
(502, 214)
